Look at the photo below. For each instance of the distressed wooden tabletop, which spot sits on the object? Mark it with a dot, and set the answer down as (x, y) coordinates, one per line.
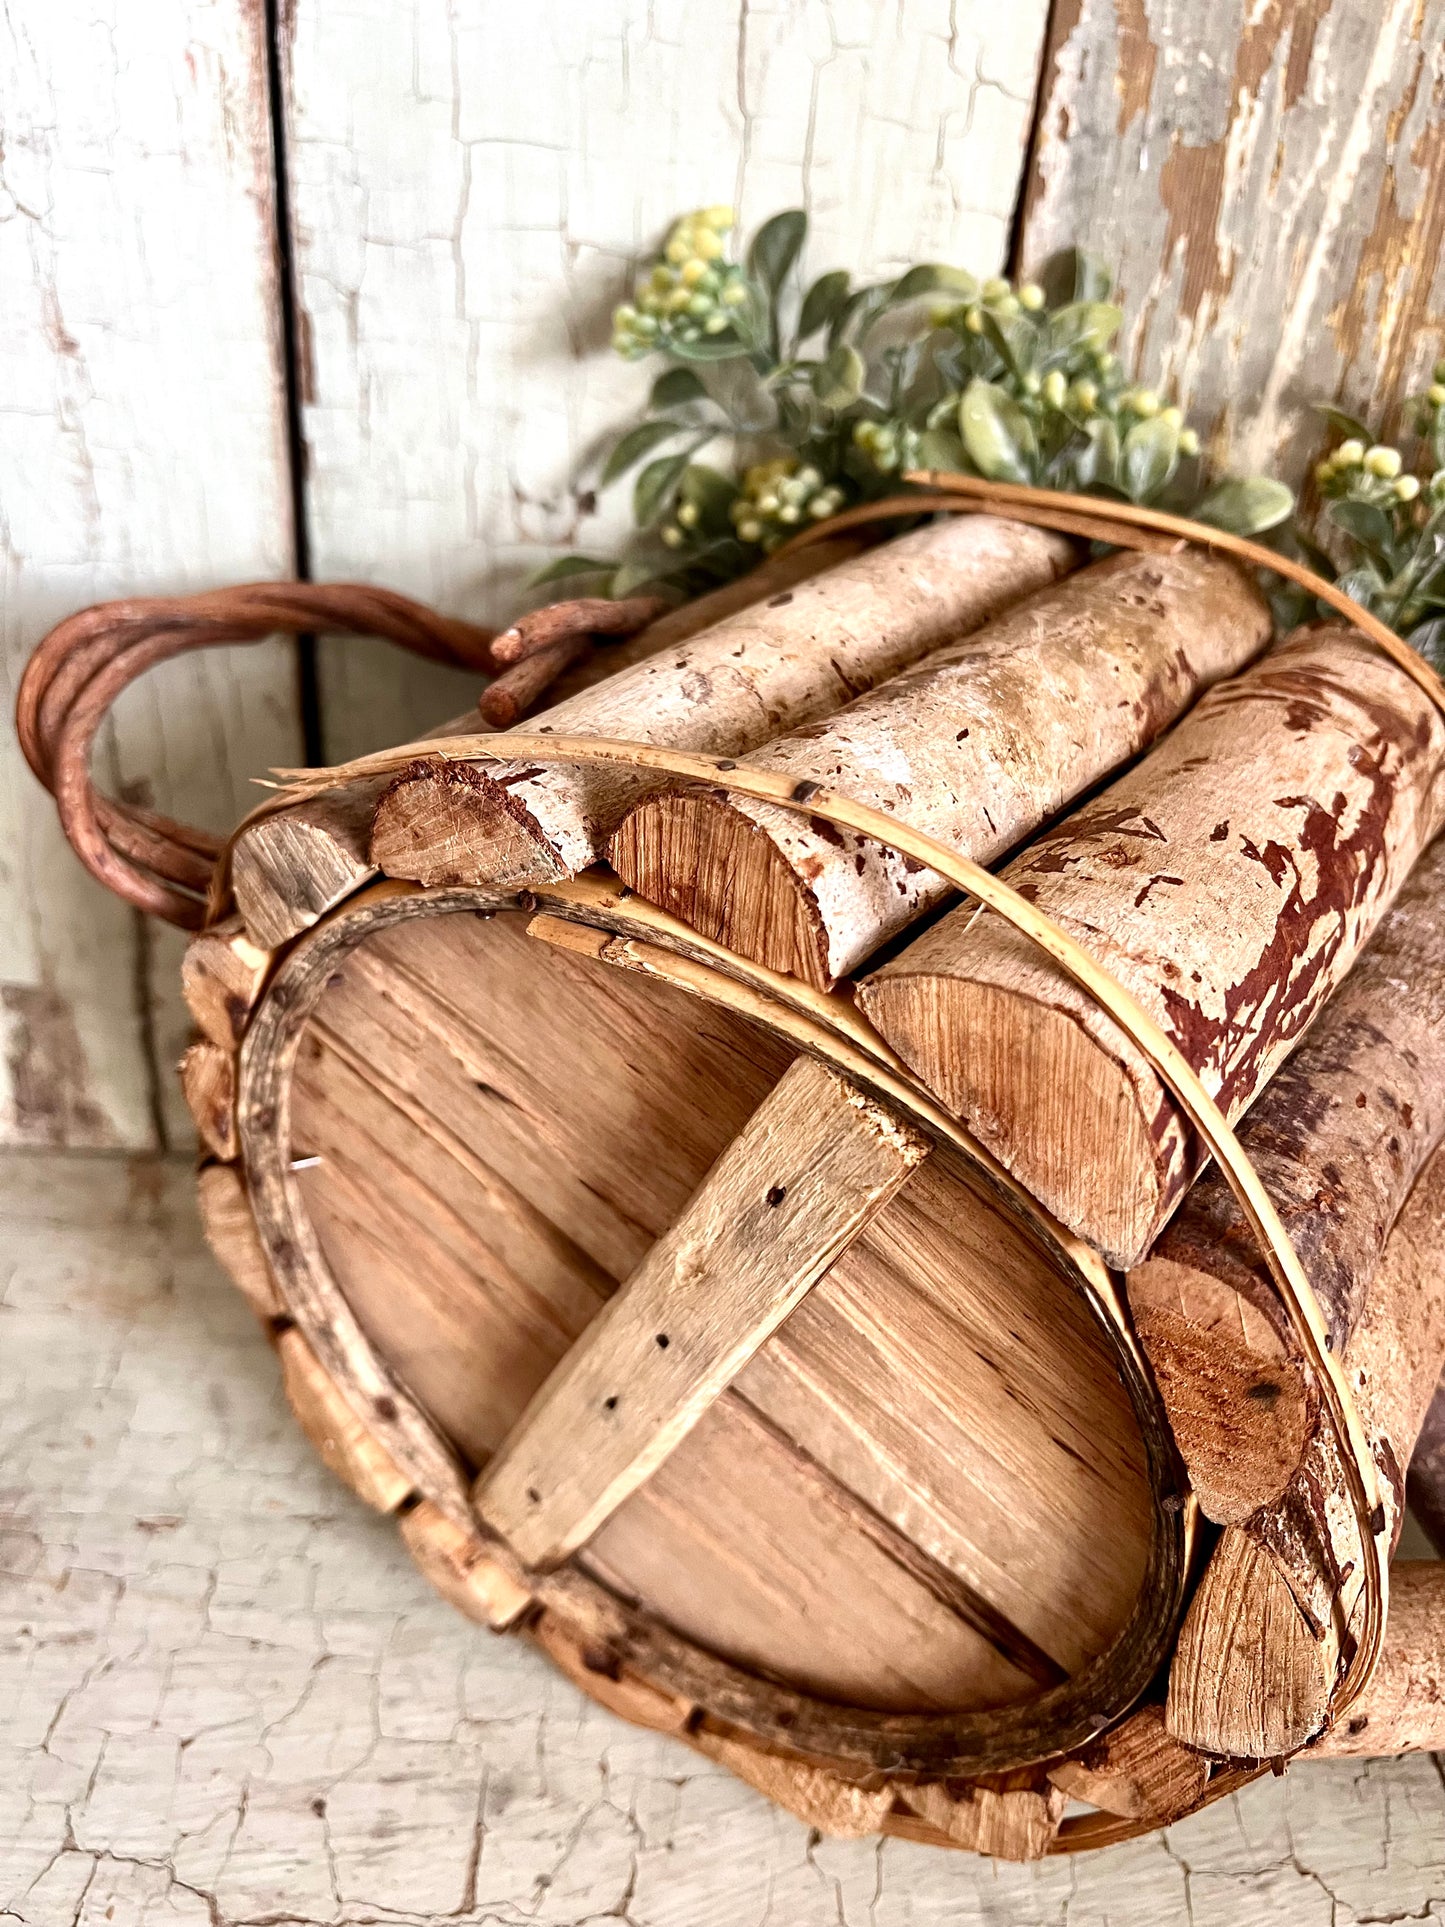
(226, 1697)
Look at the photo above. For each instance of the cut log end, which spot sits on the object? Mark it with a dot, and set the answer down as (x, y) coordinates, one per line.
(1238, 1406)
(705, 862)
(1137, 1770)
(222, 974)
(1250, 1678)
(1065, 1118)
(444, 823)
(230, 1231)
(291, 867)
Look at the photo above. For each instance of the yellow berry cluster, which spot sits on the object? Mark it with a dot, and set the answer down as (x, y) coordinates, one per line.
(889, 446)
(1371, 474)
(690, 293)
(776, 498)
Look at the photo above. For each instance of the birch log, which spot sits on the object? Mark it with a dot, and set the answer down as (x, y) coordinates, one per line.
(1228, 881)
(1425, 1483)
(1402, 1710)
(1262, 1643)
(978, 744)
(1339, 1138)
(801, 655)
(432, 807)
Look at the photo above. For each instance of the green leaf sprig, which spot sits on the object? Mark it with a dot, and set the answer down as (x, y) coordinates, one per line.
(809, 399)
(1382, 520)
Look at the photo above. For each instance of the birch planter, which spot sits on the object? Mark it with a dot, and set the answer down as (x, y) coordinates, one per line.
(765, 1367)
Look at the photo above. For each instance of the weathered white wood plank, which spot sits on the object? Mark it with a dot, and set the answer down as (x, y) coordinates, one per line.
(229, 1696)
(471, 187)
(141, 450)
(1271, 181)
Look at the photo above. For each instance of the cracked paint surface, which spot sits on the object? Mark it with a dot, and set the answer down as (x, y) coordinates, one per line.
(1266, 175)
(141, 451)
(472, 187)
(228, 1700)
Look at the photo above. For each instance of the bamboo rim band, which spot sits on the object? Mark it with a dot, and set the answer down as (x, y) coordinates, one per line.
(1128, 526)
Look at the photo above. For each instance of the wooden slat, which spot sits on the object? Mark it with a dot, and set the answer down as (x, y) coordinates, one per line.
(349, 1450)
(230, 1231)
(455, 231)
(208, 1083)
(1270, 181)
(222, 972)
(142, 449)
(815, 1164)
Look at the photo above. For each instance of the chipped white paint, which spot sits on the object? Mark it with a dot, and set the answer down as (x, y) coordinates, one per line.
(1267, 177)
(140, 450)
(227, 1698)
(472, 185)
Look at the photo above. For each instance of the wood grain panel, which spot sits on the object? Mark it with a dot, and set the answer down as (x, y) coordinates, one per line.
(1270, 179)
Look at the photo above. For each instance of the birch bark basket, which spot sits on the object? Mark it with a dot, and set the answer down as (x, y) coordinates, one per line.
(978, 744)
(1229, 880)
(802, 655)
(1339, 1138)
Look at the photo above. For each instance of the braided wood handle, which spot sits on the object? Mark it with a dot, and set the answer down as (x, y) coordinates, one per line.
(77, 671)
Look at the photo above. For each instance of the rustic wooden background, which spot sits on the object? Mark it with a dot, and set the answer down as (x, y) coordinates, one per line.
(454, 190)
(322, 286)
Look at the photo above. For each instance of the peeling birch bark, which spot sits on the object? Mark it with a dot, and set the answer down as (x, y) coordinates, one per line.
(1228, 881)
(1268, 1628)
(800, 655)
(1339, 1137)
(977, 744)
